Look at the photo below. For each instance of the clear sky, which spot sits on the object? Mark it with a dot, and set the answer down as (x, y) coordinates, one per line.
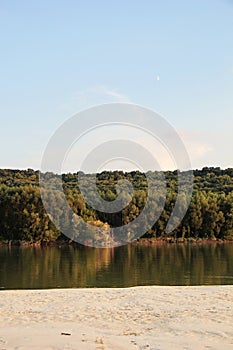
(173, 56)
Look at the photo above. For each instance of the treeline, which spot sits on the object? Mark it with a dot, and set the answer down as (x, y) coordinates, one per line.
(23, 217)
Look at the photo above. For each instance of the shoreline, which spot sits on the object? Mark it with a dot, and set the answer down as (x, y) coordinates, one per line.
(141, 241)
(150, 317)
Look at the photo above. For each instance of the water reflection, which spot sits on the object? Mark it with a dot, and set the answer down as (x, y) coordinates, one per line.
(67, 267)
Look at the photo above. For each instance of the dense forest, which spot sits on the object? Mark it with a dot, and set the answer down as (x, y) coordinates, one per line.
(24, 219)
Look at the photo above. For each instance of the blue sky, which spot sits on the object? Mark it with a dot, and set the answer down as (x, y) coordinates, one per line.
(58, 57)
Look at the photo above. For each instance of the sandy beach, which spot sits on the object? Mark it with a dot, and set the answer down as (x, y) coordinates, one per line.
(133, 318)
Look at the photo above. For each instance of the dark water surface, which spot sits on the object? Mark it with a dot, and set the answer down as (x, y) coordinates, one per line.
(132, 265)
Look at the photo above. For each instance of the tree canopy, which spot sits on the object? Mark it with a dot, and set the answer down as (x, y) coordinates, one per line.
(23, 217)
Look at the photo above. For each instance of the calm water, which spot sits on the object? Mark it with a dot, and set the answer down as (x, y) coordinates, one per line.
(69, 267)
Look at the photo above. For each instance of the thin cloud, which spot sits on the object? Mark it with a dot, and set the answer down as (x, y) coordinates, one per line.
(117, 96)
(92, 96)
(196, 145)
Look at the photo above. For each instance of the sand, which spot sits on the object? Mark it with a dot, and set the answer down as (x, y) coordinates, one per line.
(132, 318)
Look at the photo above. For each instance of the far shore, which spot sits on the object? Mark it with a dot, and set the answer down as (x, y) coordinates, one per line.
(135, 318)
(140, 241)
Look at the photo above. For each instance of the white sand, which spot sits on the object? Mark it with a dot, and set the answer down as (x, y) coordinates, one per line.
(132, 318)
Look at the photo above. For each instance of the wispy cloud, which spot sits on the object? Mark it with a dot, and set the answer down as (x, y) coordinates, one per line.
(198, 150)
(113, 93)
(91, 96)
(197, 145)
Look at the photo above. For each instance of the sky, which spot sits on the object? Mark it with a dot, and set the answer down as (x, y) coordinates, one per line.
(60, 57)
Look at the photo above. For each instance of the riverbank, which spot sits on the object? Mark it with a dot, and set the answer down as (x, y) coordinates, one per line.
(131, 318)
(140, 241)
